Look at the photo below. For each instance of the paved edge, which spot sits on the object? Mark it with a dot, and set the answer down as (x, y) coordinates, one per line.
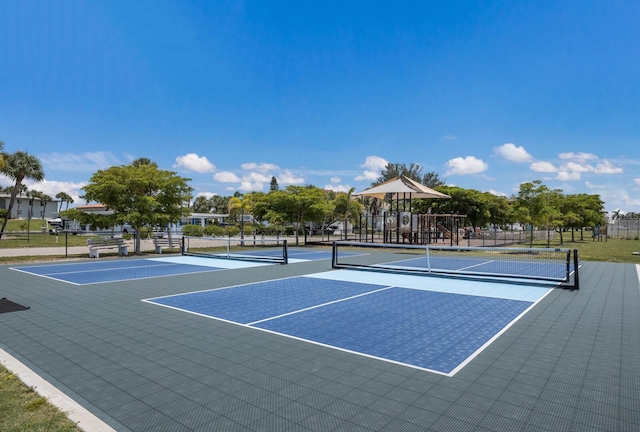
(83, 418)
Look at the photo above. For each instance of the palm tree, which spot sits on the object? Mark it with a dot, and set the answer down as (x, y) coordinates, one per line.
(1, 154)
(22, 189)
(240, 205)
(19, 166)
(45, 199)
(64, 198)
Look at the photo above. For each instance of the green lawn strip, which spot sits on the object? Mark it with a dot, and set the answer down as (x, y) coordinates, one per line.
(607, 250)
(24, 410)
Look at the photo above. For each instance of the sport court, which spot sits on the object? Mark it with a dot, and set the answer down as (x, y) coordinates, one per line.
(435, 324)
(85, 273)
(141, 367)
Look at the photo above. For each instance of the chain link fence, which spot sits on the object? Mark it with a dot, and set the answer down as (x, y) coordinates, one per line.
(624, 228)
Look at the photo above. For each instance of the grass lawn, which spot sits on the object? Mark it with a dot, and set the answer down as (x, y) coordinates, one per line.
(22, 409)
(609, 250)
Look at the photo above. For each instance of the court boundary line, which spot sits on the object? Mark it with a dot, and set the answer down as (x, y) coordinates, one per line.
(44, 276)
(319, 305)
(252, 325)
(211, 269)
(497, 335)
(219, 288)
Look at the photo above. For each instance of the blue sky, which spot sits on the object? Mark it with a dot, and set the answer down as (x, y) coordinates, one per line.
(486, 94)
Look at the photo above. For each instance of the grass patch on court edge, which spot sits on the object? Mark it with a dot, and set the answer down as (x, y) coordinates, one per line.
(609, 250)
(24, 410)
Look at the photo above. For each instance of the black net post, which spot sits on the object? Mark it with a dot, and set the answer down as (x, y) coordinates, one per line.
(576, 272)
(285, 252)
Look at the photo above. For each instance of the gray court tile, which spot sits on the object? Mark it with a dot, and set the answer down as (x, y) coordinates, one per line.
(445, 423)
(569, 364)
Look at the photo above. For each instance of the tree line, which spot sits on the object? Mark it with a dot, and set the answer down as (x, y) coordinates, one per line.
(141, 194)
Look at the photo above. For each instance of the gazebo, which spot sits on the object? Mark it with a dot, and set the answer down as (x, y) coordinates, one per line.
(419, 228)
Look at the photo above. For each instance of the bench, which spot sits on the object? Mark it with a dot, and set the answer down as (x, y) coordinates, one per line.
(96, 245)
(169, 243)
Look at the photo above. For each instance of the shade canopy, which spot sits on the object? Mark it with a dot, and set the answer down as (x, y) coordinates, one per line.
(401, 188)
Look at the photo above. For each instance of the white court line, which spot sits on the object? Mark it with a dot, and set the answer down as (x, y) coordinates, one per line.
(45, 276)
(496, 336)
(319, 306)
(211, 262)
(480, 288)
(103, 270)
(85, 420)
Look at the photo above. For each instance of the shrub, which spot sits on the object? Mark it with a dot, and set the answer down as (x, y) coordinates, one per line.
(192, 231)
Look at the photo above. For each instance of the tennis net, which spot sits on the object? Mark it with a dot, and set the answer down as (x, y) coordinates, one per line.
(533, 264)
(247, 249)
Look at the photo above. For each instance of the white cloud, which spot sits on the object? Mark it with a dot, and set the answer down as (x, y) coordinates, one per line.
(335, 179)
(256, 177)
(567, 176)
(337, 187)
(286, 177)
(373, 166)
(637, 181)
(248, 186)
(226, 177)
(84, 162)
(468, 165)
(497, 193)
(205, 194)
(578, 156)
(593, 185)
(510, 152)
(605, 167)
(543, 167)
(367, 175)
(262, 166)
(375, 163)
(577, 167)
(449, 137)
(193, 162)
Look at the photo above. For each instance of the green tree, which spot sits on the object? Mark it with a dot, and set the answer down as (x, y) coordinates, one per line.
(273, 186)
(347, 209)
(46, 199)
(64, 198)
(219, 204)
(432, 180)
(19, 166)
(395, 170)
(33, 195)
(296, 205)
(201, 204)
(239, 206)
(1, 155)
(532, 205)
(472, 203)
(139, 194)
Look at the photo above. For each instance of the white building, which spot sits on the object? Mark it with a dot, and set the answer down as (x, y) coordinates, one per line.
(30, 208)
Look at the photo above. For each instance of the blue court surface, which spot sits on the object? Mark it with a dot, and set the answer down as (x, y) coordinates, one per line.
(428, 323)
(300, 255)
(490, 267)
(85, 273)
